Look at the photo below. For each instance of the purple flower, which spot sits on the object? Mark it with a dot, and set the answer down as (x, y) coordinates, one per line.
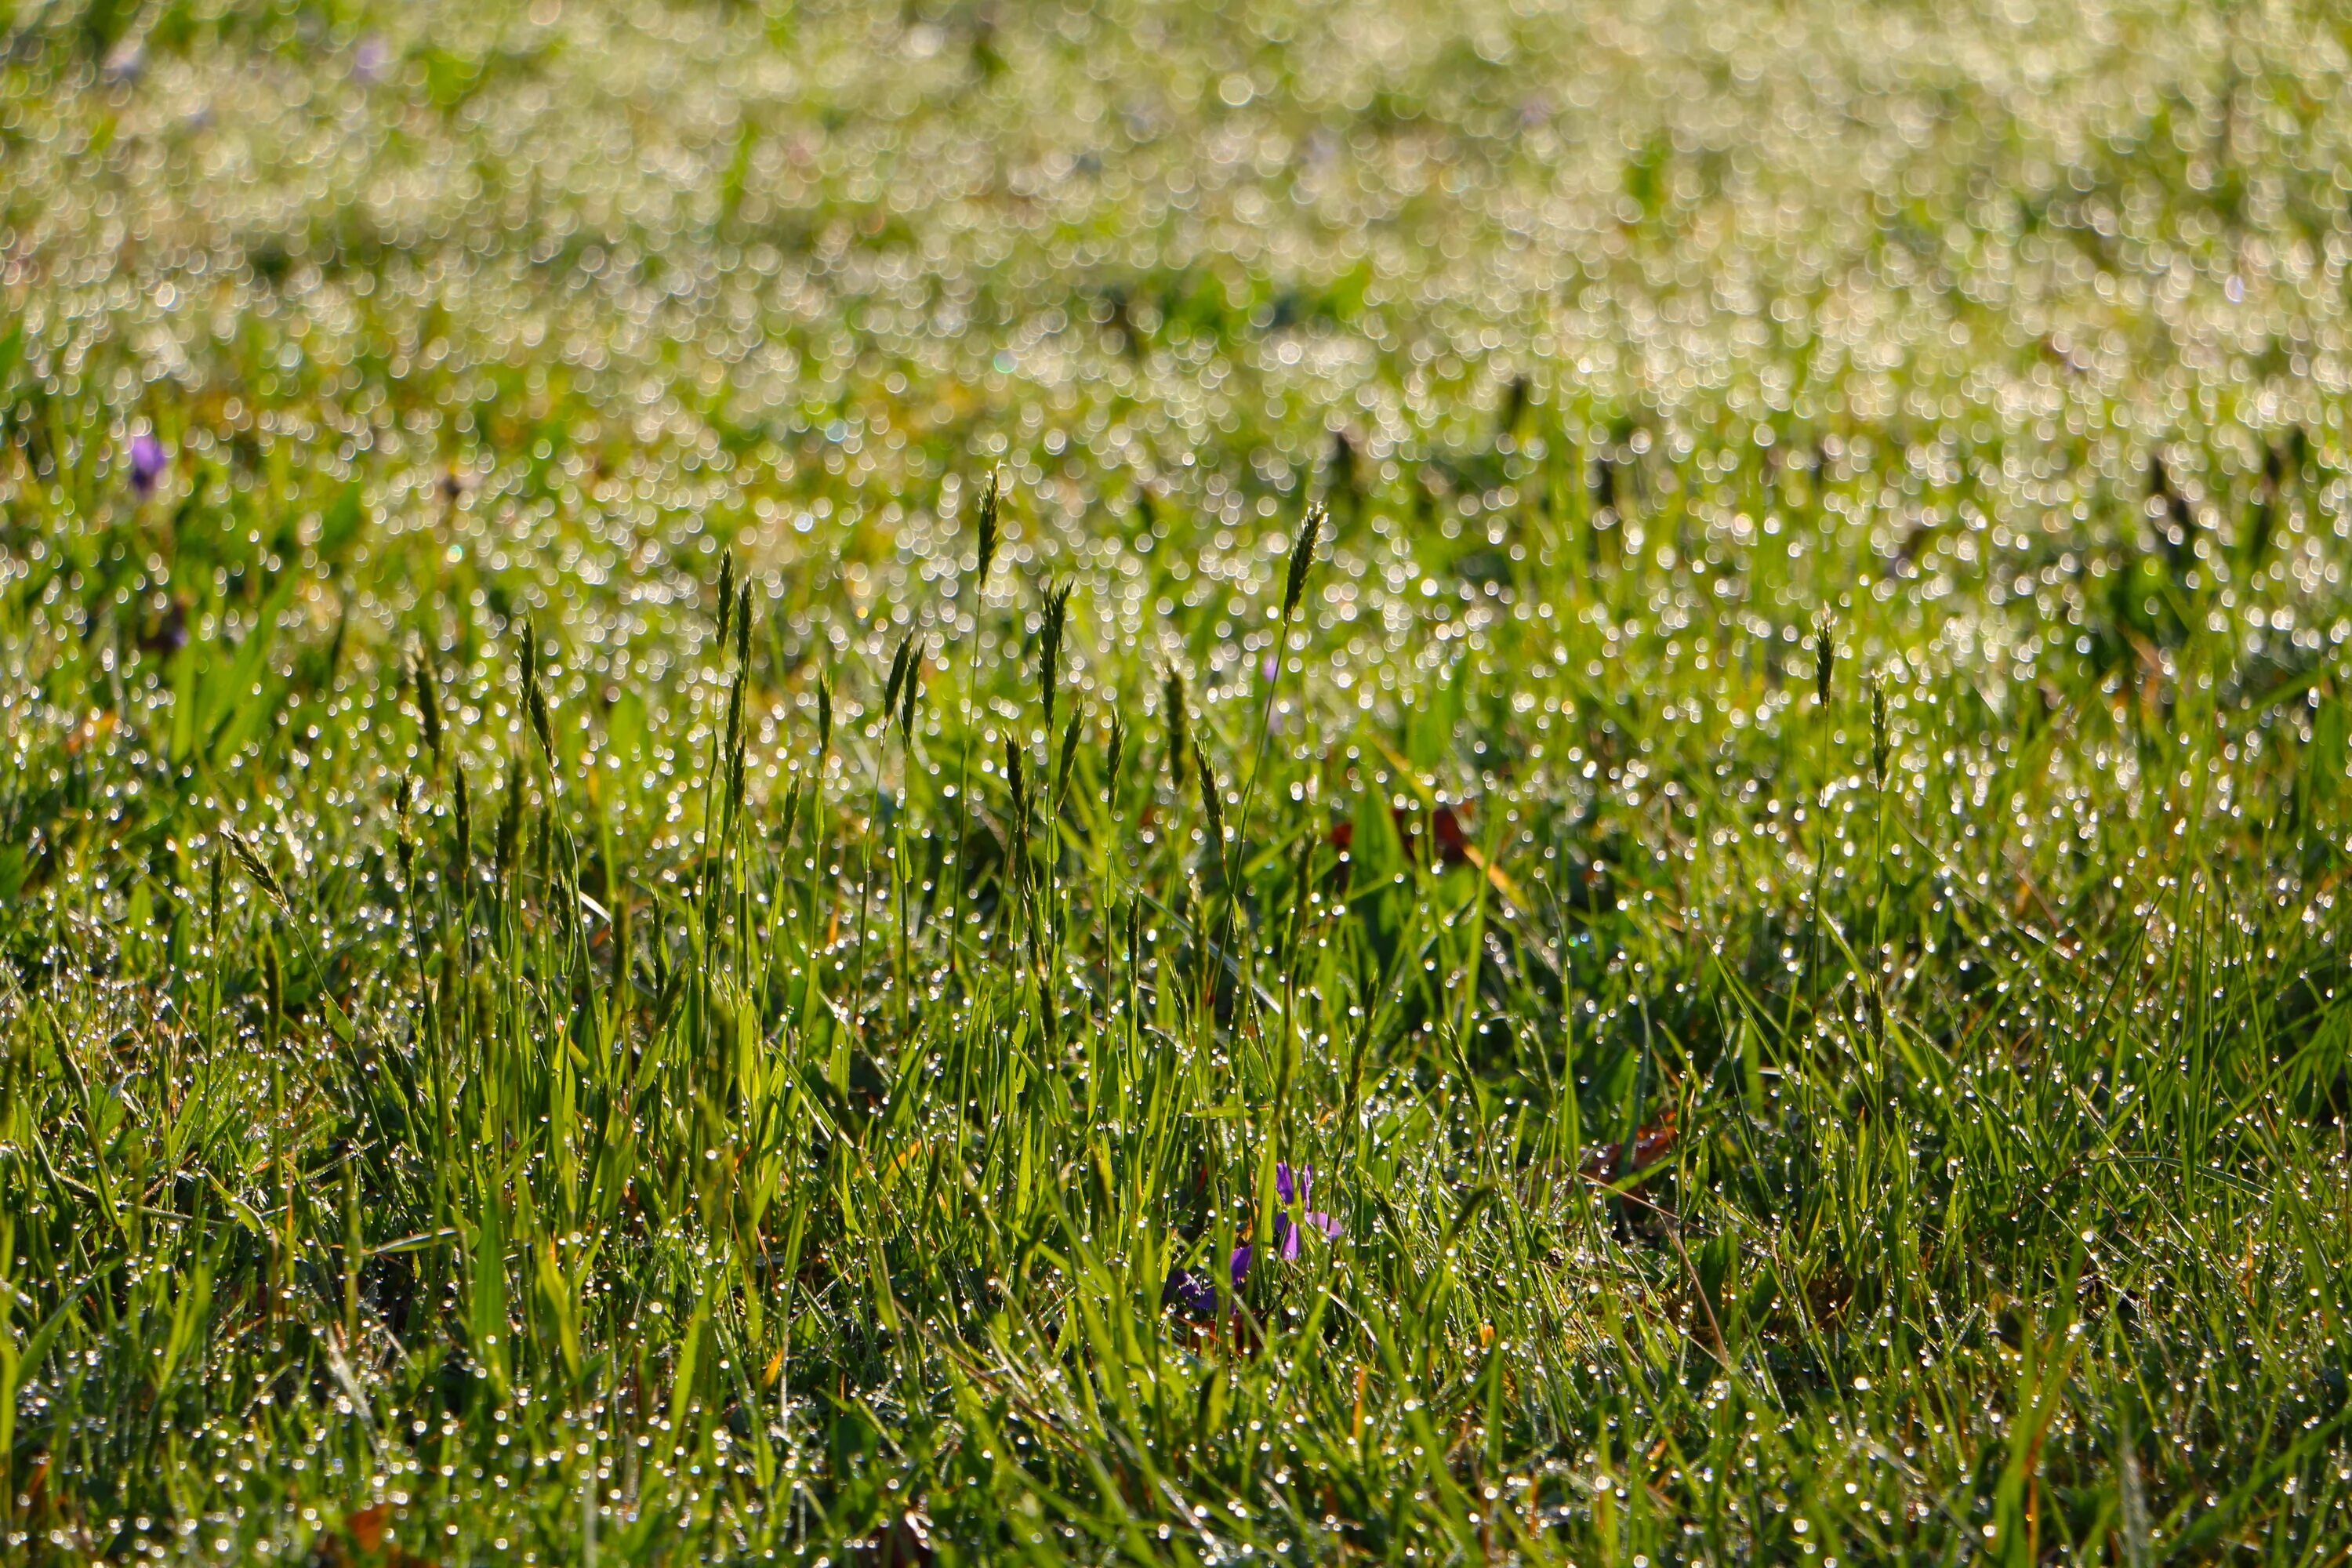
(148, 461)
(370, 58)
(125, 63)
(1190, 1291)
(1296, 1194)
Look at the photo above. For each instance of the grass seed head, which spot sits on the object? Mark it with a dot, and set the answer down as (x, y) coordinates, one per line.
(1878, 736)
(990, 499)
(1302, 555)
(914, 684)
(890, 688)
(404, 844)
(1049, 649)
(535, 699)
(823, 719)
(790, 820)
(250, 855)
(1213, 805)
(510, 819)
(1069, 755)
(1016, 787)
(1179, 738)
(1339, 468)
(735, 773)
(726, 592)
(735, 714)
(1113, 755)
(461, 827)
(1513, 412)
(428, 704)
(1824, 657)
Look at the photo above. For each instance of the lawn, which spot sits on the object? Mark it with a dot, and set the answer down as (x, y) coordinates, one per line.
(985, 782)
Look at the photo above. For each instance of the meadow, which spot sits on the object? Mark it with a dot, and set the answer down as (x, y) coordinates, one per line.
(996, 782)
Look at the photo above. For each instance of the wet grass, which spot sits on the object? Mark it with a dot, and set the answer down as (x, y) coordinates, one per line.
(720, 771)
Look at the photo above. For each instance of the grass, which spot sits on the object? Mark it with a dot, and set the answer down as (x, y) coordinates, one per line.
(807, 700)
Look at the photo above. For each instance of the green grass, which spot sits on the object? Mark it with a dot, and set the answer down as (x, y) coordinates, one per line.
(1784, 871)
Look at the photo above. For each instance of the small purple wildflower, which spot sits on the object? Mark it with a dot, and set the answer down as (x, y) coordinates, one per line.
(371, 59)
(1190, 1290)
(1190, 1294)
(148, 461)
(125, 63)
(1296, 1193)
(170, 632)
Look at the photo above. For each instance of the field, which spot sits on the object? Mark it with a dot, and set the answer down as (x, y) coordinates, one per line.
(982, 782)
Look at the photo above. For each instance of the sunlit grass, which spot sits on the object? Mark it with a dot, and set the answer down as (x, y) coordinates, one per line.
(1408, 783)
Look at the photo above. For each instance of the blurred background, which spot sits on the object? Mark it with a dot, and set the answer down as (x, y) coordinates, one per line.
(778, 264)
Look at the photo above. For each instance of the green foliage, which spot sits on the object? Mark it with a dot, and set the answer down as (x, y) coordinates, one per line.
(812, 695)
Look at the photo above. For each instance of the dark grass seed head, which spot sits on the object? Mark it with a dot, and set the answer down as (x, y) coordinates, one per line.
(1114, 754)
(1069, 755)
(461, 825)
(1339, 468)
(914, 684)
(534, 698)
(1179, 738)
(1017, 787)
(1878, 731)
(1016, 782)
(404, 843)
(428, 702)
(1213, 805)
(824, 719)
(510, 819)
(1049, 649)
